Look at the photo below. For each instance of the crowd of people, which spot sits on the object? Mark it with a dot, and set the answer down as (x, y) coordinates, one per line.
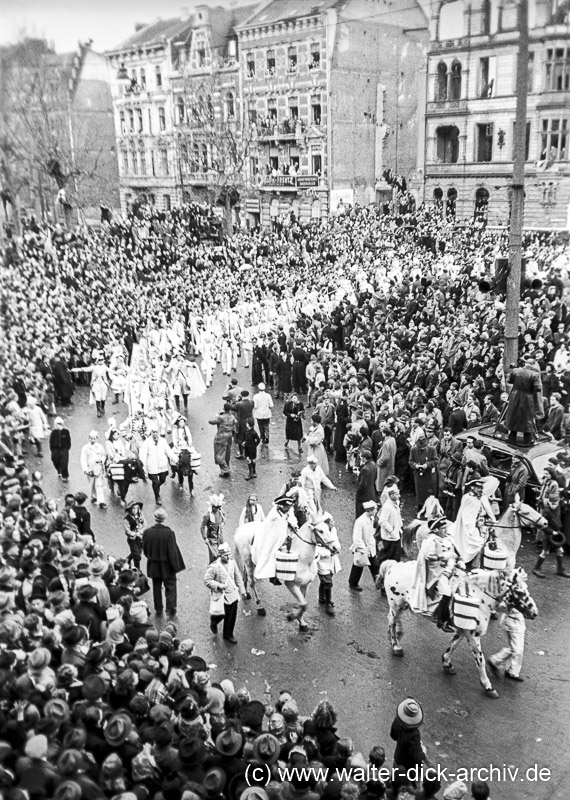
(377, 324)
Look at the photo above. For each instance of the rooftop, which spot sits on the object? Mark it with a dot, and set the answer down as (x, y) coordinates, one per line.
(285, 10)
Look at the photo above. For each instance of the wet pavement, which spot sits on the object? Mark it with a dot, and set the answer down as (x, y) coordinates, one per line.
(348, 658)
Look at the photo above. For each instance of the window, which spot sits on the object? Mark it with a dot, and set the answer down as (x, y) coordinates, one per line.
(230, 106)
(447, 144)
(316, 109)
(451, 206)
(557, 70)
(143, 78)
(122, 122)
(292, 59)
(294, 108)
(315, 62)
(272, 109)
(484, 142)
(158, 77)
(254, 165)
(455, 81)
(441, 82)
(135, 162)
(487, 68)
(438, 198)
(131, 120)
(142, 161)
(317, 163)
(486, 17)
(201, 57)
(195, 158)
(149, 121)
(271, 62)
(527, 142)
(204, 159)
(161, 119)
(274, 163)
(481, 204)
(125, 162)
(252, 112)
(250, 65)
(210, 103)
(139, 114)
(163, 155)
(554, 140)
(167, 204)
(180, 111)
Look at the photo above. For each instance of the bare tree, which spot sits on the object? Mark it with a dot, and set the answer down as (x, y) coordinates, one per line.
(40, 151)
(212, 141)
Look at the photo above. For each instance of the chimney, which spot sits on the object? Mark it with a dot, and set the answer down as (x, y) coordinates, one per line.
(184, 13)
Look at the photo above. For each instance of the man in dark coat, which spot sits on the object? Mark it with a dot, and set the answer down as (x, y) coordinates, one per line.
(62, 381)
(366, 486)
(525, 402)
(164, 561)
(243, 410)
(60, 445)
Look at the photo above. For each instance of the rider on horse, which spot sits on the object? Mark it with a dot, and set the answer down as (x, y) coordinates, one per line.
(474, 521)
(435, 574)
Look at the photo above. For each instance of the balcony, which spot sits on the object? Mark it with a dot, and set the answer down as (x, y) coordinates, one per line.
(447, 107)
(200, 178)
(491, 169)
(551, 99)
(289, 183)
(284, 130)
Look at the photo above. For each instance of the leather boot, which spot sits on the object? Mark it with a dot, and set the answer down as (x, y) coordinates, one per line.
(328, 601)
(275, 581)
(560, 568)
(322, 600)
(538, 566)
(441, 615)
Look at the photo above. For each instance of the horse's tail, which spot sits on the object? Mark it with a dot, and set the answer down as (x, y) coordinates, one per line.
(408, 537)
(385, 568)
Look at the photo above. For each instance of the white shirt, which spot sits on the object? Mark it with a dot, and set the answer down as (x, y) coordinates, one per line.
(262, 405)
(156, 456)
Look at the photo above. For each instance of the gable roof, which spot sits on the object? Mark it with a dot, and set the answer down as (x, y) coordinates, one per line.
(156, 32)
(284, 10)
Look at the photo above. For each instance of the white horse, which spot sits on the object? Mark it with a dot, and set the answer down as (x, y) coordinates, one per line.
(397, 580)
(303, 542)
(489, 587)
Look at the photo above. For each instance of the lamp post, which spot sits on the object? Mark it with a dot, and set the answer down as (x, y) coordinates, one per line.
(512, 309)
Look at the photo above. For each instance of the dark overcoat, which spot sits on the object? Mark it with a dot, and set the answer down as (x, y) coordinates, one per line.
(163, 555)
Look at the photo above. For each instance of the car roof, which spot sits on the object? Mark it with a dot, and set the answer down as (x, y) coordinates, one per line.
(498, 441)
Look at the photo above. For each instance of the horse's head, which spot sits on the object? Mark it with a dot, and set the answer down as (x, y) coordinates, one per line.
(518, 595)
(325, 536)
(527, 516)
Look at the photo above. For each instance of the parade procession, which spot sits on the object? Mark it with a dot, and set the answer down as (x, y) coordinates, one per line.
(285, 495)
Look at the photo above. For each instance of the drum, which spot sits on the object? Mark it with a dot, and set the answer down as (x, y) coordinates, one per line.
(465, 612)
(286, 566)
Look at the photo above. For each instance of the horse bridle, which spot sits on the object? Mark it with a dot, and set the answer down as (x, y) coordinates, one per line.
(318, 539)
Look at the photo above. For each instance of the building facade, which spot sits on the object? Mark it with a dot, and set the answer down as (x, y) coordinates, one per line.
(276, 108)
(176, 98)
(470, 111)
(329, 90)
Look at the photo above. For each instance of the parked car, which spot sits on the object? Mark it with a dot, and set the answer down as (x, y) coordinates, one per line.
(499, 453)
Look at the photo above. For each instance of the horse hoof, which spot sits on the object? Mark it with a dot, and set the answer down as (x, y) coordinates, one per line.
(303, 628)
(448, 669)
(248, 596)
(261, 612)
(291, 616)
(492, 693)
(398, 652)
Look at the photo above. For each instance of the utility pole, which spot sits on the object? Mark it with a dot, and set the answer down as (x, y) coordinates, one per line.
(517, 199)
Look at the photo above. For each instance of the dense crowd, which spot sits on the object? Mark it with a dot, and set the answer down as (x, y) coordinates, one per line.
(379, 322)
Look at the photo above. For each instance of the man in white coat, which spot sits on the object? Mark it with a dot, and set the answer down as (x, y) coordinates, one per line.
(390, 524)
(93, 457)
(156, 456)
(470, 529)
(363, 546)
(224, 580)
(262, 405)
(38, 424)
(313, 479)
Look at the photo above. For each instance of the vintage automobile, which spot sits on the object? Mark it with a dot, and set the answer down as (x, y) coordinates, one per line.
(499, 452)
